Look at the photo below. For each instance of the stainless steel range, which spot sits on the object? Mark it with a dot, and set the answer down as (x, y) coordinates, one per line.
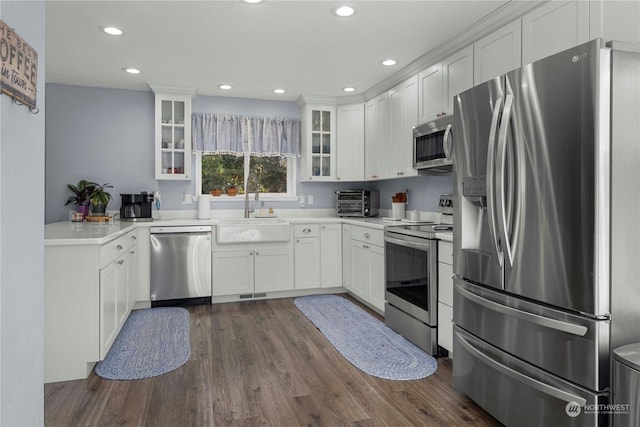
(411, 279)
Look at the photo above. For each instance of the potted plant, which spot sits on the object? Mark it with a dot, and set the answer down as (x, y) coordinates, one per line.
(232, 190)
(99, 199)
(216, 191)
(81, 195)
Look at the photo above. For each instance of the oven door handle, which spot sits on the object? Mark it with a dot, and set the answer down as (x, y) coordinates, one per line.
(414, 245)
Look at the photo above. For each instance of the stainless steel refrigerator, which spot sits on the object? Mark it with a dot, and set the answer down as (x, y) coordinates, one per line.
(547, 241)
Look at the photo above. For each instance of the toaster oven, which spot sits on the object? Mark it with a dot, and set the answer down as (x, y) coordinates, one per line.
(357, 203)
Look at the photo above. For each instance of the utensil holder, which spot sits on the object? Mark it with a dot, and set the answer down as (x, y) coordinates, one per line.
(397, 210)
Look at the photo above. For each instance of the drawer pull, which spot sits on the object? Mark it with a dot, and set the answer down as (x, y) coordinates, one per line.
(306, 230)
(121, 261)
(119, 247)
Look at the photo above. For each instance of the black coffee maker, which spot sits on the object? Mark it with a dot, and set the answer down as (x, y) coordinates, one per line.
(136, 207)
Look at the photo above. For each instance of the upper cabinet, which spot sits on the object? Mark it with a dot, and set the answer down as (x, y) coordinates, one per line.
(350, 142)
(615, 20)
(403, 117)
(172, 133)
(497, 53)
(554, 27)
(318, 142)
(376, 137)
(438, 84)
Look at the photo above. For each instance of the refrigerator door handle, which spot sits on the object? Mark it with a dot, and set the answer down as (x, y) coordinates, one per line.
(531, 382)
(447, 145)
(491, 157)
(501, 172)
(546, 322)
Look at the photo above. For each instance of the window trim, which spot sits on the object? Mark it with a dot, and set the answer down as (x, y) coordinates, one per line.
(289, 196)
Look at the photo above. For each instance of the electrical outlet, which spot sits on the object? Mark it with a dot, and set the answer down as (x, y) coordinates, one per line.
(310, 199)
(186, 198)
(302, 200)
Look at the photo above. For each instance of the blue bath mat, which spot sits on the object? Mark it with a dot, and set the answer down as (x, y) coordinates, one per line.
(152, 342)
(365, 341)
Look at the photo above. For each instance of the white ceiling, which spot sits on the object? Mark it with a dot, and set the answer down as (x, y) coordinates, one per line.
(296, 45)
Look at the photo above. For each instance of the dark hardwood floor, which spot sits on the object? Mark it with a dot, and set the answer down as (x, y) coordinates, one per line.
(261, 363)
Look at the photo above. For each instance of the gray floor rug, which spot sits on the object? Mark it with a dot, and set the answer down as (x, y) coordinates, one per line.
(152, 342)
(365, 341)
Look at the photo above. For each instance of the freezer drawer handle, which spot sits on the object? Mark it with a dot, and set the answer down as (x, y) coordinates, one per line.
(530, 382)
(529, 317)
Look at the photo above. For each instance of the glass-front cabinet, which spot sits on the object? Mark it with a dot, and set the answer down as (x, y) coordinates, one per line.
(318, 142)
(173, 135)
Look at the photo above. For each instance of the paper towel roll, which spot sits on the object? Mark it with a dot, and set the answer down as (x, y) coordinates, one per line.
(204, 206)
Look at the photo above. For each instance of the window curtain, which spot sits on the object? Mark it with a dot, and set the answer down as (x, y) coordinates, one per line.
(233, 134)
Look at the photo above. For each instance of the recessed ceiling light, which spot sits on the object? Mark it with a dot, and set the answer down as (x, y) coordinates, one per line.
(389, 62)
(348, 89)
(113, 31)
(279, 91)
(344, 11)
(132, 70)
(225, 87)
(252, 1)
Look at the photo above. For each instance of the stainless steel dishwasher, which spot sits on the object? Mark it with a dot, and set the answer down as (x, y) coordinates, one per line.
(180, 265)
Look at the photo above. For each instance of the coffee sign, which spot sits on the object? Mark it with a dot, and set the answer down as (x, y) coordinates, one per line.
(19, 73)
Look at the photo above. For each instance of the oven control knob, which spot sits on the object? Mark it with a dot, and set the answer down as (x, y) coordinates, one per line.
(366, 211)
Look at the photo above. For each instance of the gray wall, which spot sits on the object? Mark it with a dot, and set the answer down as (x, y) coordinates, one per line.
(106, 135)
(22, 235)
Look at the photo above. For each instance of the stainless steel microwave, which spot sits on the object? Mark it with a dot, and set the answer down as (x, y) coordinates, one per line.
(432, 144)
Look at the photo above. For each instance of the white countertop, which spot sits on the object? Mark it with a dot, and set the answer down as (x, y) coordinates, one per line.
(86, 233)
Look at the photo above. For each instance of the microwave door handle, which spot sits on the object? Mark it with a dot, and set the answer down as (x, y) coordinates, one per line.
(501, 173)
(491, 157)
(447, 142)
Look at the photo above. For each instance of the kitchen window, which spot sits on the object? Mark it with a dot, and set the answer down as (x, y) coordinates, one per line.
(276, 175)
(228, 148)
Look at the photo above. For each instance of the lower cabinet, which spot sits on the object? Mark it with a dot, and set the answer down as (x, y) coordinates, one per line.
(318, 256)
(346, 256)
(117, 290)
(367, 268)
(252, 269)
(89, 293)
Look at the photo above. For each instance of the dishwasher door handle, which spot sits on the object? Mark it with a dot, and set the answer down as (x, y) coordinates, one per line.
(180, 229)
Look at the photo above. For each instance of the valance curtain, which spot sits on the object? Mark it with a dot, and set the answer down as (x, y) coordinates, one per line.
(234, 134)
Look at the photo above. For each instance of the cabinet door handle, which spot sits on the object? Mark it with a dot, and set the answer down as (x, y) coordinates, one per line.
(257, 253)
(324, 227)
(366, 235)
(250, 252)
(121, 261)
(297, 240)
(134, 238)
(119, 247)
(132, 252)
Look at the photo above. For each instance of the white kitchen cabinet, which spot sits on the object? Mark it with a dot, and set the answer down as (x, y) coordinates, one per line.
(403, 117)
(273, 269)
(350, 142)
(457, 76)
(430, 100)
(318, 142)
(377, 137)
(554, 27)
(367, 266)
(249, 269)
(615, 20)
(445, 295)
(346, 256)
(233, 272)
(438, 84)
(88, 291)
(318, 256)
(172, 133)
(331, 255)
(497, 53)
(307, 263)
